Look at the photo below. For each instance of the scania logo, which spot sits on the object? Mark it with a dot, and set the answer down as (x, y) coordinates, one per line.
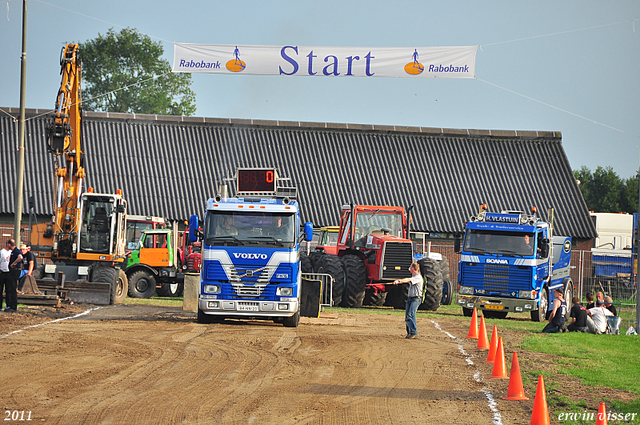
(497, 261)
(250, 256)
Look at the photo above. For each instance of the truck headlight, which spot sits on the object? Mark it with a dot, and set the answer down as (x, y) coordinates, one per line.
(284, 292)
(466, 290)
(530, 295)
(212, 289)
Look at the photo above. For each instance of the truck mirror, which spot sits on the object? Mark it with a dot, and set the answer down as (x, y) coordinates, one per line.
(456, 244)
(193, 228)
(121, 208)
(308, 230)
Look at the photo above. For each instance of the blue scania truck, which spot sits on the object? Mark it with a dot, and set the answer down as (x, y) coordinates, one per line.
(511, 262)
(251, 250)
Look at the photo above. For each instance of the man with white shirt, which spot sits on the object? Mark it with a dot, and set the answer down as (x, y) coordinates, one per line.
(598, 322)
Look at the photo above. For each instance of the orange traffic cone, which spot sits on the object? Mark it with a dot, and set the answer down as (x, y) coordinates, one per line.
(494, 345)
(473, 329)
(516, 389)
(602, 415)
(499, 365)
(540, 415)
(483, 341)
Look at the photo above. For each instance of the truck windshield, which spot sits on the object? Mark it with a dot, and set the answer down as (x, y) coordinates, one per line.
(244, 228)
(492, 242)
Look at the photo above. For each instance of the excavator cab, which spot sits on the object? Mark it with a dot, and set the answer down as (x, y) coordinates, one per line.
(103, 223)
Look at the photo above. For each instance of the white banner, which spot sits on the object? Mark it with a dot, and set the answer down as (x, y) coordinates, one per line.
(408, 62)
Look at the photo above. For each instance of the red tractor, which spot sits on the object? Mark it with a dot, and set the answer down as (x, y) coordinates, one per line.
(373, 250)
(190, 254)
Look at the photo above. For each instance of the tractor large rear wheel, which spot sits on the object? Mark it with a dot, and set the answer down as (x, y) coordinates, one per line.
(355, 281)
(372, 297)
(331, 264)
(397, 296)
(432, 290)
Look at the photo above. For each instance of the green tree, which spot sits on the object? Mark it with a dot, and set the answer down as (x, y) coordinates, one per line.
(629, 198)
(125, 72)
(604, 191)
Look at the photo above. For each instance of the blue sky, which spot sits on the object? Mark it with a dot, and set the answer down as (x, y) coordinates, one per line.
(569, 66)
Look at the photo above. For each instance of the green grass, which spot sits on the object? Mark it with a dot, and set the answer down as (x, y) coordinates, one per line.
(159, 301)
(599, 360)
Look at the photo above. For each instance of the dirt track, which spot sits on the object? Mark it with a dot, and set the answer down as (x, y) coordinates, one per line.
(130, 364)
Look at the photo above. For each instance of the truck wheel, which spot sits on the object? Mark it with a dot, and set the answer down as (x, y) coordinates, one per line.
(171, 289)
(432, 284)
(540, 315)
(447, 293)
(293, 321)
(372, 298)
(355, 280)
(142, 285)
(332, 265)
(203, 318)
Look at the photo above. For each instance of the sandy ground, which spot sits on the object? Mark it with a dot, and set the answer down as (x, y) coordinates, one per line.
(129, 364)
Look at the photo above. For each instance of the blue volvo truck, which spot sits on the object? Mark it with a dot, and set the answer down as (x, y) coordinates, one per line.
(251, 250)
(511, 262)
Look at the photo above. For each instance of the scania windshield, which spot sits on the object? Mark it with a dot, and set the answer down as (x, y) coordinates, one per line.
(509, 243)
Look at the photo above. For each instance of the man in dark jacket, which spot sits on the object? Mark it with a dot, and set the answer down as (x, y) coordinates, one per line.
(579, 317)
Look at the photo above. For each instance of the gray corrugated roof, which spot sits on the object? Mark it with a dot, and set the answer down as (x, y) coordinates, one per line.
(169, 166)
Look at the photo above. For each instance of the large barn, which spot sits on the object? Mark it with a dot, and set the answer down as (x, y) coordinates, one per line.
(168, 166)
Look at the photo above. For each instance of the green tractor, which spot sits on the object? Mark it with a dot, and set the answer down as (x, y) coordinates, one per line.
(155, 265)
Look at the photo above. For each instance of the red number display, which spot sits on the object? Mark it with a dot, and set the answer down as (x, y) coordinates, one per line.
(256, 181)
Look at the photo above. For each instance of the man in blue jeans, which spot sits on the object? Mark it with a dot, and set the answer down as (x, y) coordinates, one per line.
(415, 298)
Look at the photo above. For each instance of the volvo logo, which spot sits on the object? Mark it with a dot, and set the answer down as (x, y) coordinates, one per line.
(250, 256)
(497, 261)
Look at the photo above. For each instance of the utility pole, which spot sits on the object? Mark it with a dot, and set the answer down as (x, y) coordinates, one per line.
(637, 259)
(23, 83)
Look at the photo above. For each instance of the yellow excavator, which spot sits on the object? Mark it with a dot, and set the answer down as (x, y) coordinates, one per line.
(83, 248)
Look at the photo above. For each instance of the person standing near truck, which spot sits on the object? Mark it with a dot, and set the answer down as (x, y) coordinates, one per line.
(415, 298)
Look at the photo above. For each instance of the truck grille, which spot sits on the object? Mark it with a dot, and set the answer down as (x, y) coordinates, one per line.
(497, 279)
(396, 259)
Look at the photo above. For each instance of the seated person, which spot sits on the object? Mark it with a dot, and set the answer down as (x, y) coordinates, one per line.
(361, 235)
(608, 304)
(279, 230)
(598, 323)
(226, 227)
(526, 246)
(590, 303)
(579, 317)
(557, 317)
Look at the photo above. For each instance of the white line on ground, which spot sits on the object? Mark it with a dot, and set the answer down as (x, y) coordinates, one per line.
(47, 323)
(493, 406)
